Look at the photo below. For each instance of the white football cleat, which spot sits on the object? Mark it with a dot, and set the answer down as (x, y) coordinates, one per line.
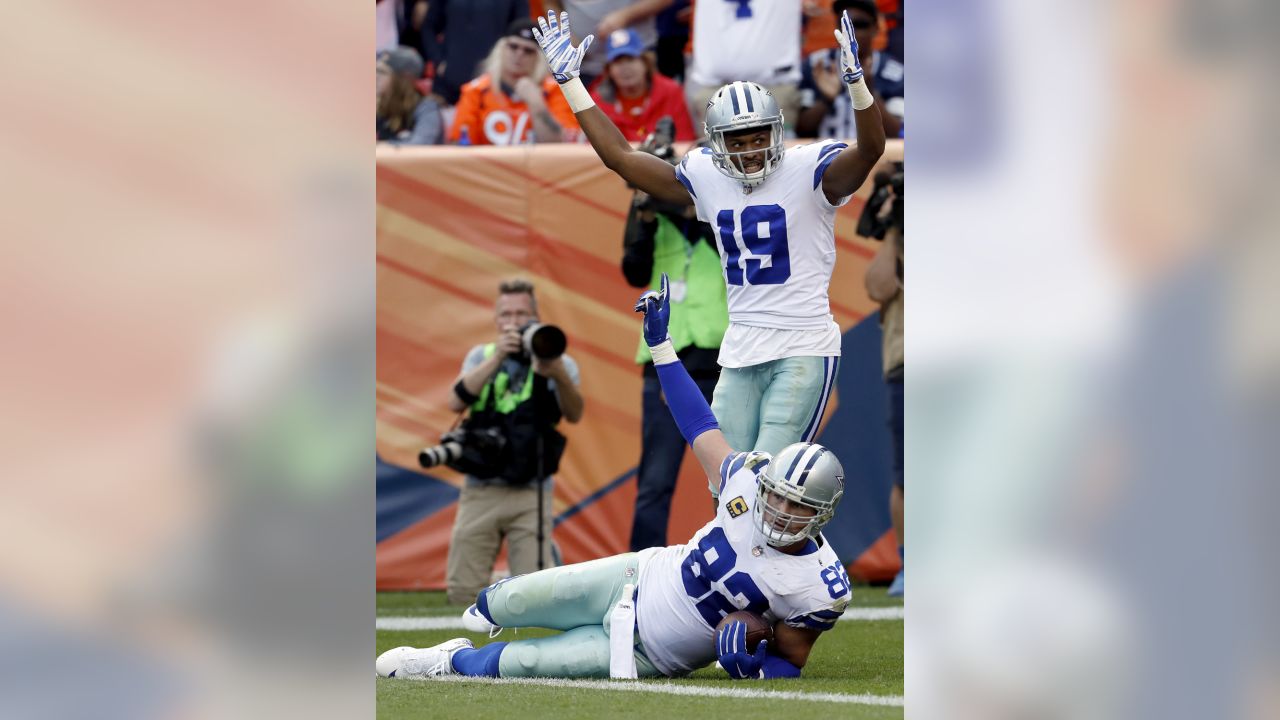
(389, 662)
(475, 621)
(403, 662)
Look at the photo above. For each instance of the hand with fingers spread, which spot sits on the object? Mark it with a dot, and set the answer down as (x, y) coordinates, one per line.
(563, 58)
(851, 66)
(731, 647)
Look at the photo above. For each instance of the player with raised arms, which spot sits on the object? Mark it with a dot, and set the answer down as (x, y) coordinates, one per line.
(774, 213)
(659, 612)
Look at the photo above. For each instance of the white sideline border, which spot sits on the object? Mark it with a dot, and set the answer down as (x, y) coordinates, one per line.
(455, 623)
(669, 688)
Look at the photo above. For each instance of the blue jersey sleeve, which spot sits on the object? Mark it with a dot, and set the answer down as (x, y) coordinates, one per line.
(826, 155)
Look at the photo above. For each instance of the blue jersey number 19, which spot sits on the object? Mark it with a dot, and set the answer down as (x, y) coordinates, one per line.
(772, 246)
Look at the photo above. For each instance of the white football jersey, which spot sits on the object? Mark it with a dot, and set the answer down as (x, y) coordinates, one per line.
(777, 243)
(755, 40)
(685, 590)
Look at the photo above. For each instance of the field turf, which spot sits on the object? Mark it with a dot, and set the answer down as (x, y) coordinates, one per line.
(857, 658)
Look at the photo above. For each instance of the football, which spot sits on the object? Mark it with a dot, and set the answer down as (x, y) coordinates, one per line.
(757, 627)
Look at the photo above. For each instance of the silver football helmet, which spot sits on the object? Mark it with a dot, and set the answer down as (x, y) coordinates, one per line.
(806, 474)
(743, 106)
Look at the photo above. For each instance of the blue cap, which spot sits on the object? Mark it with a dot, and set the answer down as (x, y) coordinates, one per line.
(623, 42)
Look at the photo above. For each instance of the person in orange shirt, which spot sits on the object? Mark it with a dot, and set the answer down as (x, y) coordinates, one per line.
(634, 95)
(515, 101)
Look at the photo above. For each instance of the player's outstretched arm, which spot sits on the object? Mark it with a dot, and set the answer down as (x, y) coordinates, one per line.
(653, 175)
(692, 414)
(852, 166)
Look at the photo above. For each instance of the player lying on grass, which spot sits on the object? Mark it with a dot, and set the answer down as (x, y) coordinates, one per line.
(774, 212)
(763, 552)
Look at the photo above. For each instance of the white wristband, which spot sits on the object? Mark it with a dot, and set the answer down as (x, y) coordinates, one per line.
(576, 93)
(861, 95)
(663, 353)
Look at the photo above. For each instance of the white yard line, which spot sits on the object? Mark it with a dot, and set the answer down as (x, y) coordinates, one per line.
(454, 622)
(670, 688)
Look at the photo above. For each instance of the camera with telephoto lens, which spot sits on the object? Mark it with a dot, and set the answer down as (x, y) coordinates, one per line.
(475, 451)
(874, 221)
(660, 144)
(542, 341)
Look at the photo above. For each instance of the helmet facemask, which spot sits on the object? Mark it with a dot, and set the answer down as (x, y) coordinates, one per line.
(724, 117)
(794, 527)
(786, 478)
(731, 163)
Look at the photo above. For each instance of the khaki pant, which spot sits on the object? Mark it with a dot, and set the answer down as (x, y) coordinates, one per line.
(486, 515)
(787, 97)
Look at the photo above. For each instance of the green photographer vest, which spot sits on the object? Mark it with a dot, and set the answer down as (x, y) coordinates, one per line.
(505, 401)
(703, 316)
(522, 417)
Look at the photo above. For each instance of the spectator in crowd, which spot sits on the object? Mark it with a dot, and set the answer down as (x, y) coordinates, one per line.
(817, 26)
(672, 25)
(893, 11)
(524, 397)
(514, 101)
(400, 23)
(753, 41)
(634, 95)
(458, 33)
(601, 18)
(826, 110)
(405, 115)
(386, 24)
(883, 280)
(662, 238)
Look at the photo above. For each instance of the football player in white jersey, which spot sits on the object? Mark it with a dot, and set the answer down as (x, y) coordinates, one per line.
(774, 212)
(764, 552)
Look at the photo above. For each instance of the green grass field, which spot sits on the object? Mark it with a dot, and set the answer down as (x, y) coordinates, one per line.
(856, 658)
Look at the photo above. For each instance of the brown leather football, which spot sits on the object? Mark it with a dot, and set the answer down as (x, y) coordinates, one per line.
(757, 627)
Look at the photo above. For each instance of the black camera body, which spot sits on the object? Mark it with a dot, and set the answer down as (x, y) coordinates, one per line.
(479, 452)
(660, 144)
(887, 188)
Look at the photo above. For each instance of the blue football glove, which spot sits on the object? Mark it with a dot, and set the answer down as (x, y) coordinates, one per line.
(657, 312)
(563, 58)
(851, 66)
(731, 646)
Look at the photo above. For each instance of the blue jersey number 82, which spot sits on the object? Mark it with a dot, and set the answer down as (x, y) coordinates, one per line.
(773, 245)
(710, 562)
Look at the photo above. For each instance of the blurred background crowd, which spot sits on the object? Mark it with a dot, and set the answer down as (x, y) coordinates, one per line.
(469, 72)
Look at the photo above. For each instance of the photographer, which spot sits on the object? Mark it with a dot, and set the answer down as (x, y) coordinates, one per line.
(666, 238)
(522, 396)
(882, 219)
